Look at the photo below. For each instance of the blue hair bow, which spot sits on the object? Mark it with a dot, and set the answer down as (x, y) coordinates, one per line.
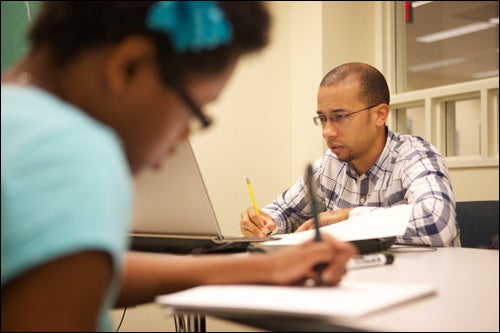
(191, 25)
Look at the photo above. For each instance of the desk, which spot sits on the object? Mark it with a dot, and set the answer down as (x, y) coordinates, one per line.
(466, 300)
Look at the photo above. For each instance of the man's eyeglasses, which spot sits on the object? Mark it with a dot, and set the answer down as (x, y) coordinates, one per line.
(337, 118)
(195, 109)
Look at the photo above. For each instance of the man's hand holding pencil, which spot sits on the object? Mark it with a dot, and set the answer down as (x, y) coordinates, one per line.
(255, 223)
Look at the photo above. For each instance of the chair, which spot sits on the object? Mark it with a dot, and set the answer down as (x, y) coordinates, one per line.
(478, 222)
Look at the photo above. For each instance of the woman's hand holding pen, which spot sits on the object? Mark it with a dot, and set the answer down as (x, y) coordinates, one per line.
(296, 264)
(253, 225)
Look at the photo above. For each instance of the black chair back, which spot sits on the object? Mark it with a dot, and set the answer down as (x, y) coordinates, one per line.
(478, 222)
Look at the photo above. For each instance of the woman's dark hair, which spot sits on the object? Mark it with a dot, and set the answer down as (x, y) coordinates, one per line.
(70, 27)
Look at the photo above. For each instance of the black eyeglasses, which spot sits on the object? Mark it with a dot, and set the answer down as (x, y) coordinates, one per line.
(337, 118)
(205, 120)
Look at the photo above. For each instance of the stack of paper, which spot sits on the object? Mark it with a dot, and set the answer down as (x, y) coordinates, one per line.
(348, 299)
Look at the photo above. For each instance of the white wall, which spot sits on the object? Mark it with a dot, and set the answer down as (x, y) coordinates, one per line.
(471, 184)
(251, 137)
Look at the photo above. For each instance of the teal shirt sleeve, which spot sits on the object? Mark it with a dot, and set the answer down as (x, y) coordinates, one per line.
(65, 188)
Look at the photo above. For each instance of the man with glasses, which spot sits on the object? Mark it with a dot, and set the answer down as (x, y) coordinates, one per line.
(366, 167)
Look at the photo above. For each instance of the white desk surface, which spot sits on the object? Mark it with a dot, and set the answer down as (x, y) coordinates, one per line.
(466, 299)
(467, 291)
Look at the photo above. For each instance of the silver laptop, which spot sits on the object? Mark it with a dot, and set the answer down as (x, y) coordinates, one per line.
(173, 212)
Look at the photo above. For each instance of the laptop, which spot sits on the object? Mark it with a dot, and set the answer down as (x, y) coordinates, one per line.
(173, 211)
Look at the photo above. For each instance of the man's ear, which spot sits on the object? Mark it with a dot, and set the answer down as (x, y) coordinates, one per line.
(125, 60)
(382, 113)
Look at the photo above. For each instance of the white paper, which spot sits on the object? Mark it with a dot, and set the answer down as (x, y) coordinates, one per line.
(379, 223)
(347, 300)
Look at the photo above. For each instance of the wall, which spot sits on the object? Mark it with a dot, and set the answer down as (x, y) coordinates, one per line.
(471, 184)
(252, 131)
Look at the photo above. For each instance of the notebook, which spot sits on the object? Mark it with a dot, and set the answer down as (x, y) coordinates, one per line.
(350, 299)
(173, 211)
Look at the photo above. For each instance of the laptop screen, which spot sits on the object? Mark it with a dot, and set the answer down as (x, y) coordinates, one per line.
(174, 199)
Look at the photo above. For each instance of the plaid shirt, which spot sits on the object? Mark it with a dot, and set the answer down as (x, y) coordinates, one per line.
(408, 171)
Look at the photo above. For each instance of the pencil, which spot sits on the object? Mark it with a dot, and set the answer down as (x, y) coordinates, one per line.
(253, 198)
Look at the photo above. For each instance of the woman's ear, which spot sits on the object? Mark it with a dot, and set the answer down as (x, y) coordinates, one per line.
(125, 60)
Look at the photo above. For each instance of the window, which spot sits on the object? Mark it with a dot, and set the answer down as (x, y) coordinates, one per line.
(446, 77)
(446, 42)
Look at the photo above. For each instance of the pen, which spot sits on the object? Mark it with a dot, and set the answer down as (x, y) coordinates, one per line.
(311, 188)
(317, 236)
(253, 198)
(370, 260)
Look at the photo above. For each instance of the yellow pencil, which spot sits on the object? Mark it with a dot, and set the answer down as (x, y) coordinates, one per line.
(253, 198)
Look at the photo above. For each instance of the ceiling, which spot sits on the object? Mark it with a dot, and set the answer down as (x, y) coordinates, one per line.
(465, 57)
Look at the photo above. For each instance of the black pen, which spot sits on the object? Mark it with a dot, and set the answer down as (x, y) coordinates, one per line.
(311, 190)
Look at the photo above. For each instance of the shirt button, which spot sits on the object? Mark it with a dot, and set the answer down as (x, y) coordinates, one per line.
(362, 200)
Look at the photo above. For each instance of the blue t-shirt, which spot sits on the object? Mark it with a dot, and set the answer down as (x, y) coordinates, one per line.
(65, 186)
